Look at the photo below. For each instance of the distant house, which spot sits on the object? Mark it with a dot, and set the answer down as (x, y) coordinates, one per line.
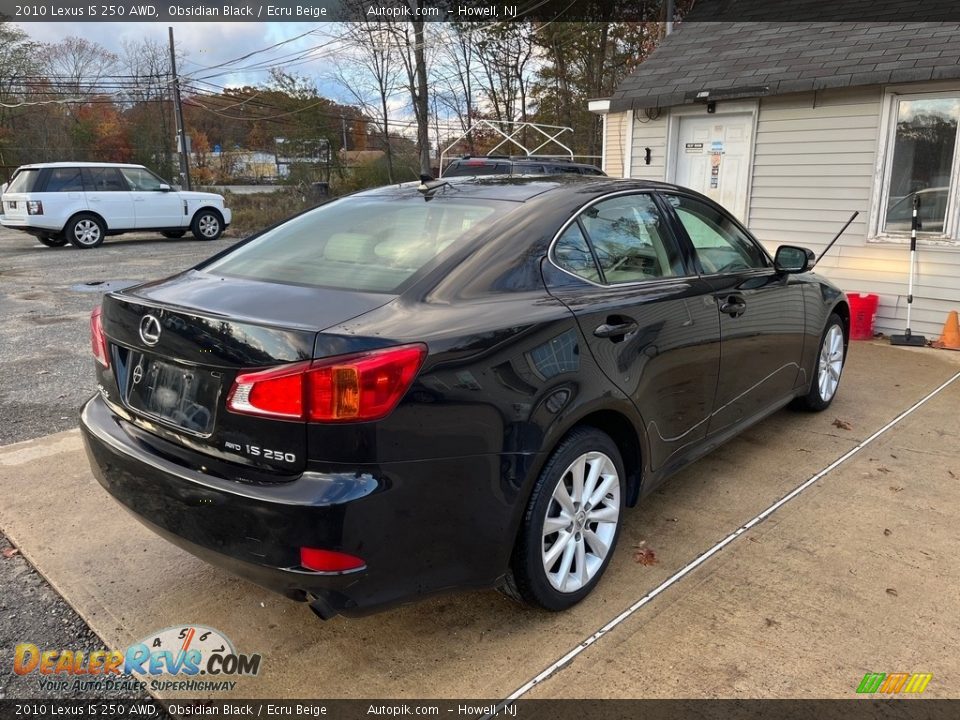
(793, 126)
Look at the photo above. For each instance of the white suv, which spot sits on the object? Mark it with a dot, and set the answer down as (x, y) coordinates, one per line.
(82, 203)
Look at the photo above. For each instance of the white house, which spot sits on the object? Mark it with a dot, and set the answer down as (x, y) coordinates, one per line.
(793, 126)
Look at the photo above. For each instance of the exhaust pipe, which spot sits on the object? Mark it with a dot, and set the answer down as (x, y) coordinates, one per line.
(321, 608)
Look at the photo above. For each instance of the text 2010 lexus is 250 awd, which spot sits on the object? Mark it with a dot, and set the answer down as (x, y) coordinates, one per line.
(459, 384)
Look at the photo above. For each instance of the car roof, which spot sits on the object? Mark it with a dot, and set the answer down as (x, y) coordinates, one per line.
(38, 166)
(518, 188)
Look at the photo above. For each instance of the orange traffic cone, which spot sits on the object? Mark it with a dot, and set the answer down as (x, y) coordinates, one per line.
(950, 339)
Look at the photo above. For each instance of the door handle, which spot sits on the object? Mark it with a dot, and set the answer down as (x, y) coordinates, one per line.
(616, 330)
(734, 306)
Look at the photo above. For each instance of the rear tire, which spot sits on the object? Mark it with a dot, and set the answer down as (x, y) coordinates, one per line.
(173, 234)
(571, 524)
(207, 225)
(829, 366)
(85, 231)
(52, 240)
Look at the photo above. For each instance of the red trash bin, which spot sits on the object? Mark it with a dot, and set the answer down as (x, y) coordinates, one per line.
(863, 311)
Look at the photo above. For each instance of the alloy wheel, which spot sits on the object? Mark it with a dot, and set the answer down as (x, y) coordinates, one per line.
(581, 522)
(831, 362)
(208, 225)
(86, 232)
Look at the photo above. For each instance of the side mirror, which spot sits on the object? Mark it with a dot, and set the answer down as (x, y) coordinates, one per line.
(164, 187)
(792, 259)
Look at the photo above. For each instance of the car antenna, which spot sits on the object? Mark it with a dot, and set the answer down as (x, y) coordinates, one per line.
(837, 236)
(428, 185)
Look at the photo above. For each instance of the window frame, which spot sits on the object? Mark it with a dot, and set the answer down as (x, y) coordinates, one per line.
(87, 171)
(670, 222)
(890, 106)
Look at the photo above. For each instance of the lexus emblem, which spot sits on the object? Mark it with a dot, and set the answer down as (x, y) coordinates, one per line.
(149, 330)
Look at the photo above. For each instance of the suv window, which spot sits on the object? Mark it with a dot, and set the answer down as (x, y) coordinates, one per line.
(24, 181)
(631, 240)
(64, 180)
(721, 246)
(573, 254)
(103, 180)
(142, 179)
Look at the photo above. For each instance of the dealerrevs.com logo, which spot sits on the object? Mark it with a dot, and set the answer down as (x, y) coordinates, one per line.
(184, 658)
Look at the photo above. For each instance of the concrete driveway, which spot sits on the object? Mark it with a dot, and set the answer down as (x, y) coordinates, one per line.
(858, 573)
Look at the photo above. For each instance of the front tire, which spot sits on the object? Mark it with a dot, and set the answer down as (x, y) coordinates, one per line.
(85, 231)
(207, 225)
(571, 524)
(52, 240)
(830, 360)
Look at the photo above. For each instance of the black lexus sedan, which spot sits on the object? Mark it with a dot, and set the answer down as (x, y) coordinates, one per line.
(456, 384)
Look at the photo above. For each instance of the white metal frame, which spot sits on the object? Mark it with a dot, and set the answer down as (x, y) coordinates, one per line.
(880, 195)
(503, 128)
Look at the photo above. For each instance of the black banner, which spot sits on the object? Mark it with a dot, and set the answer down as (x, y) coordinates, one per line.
(854, 709)
(486, 11)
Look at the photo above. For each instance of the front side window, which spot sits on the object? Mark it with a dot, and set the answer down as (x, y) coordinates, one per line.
(141, 179)
(65, 180)
(103, 180)
(630, 240)
(923, 149)
(721, 246)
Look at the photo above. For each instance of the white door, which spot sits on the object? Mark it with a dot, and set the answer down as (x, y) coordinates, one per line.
(713, 158)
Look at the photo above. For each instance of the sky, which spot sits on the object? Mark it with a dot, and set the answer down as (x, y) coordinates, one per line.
(205, 44)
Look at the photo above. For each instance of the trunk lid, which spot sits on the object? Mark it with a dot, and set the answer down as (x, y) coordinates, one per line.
(177, 345)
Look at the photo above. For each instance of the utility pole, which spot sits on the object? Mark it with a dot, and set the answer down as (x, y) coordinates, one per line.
(178, 113)
(669, 16)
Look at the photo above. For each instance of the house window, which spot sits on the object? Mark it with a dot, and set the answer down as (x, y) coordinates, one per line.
(922, 165)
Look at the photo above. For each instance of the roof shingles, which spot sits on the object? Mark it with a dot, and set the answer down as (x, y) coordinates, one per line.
(750, 59)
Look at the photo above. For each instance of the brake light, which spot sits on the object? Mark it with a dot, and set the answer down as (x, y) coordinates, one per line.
(34, 207)
(349, 388)
(97, 338)
(328, 560)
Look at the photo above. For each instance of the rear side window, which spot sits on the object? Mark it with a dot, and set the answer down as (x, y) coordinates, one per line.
(142, 179)
(64, 180)
(24, 181)
(369, 244)
(631, 240)
(573, 254)
(103, 180)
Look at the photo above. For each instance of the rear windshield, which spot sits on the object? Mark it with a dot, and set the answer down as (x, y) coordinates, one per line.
(369, 244)
(24, 181)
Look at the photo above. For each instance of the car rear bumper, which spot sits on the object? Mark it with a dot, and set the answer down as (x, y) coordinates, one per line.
(411, 546)
(34, 224)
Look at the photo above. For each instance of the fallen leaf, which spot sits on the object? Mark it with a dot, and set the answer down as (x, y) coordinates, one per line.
(671, 519)
(893, 456)
(888, 532)
(644, 555)
(896, 488)
(10, 552)
(770, 622)
(891, 591)
(842, 424)
(950, 473)
(883, 469)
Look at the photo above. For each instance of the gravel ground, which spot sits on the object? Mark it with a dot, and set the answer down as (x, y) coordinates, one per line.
(46, 373)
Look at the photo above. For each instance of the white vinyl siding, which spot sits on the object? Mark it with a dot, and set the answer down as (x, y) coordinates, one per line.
(815, 163)
(649, 134)
(615, 146)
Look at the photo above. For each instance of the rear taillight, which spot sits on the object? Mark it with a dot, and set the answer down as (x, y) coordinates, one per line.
(97, 339)
(350, 388)
(328, 560)
(34, 207)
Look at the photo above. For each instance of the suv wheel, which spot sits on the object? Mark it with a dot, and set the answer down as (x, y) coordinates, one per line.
(85, 231)
(52, 240)
(571, 525)
(207, 225)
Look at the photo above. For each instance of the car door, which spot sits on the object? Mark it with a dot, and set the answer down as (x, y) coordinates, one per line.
(650, 323)
(761, 313)
(109, 196)
(155, 207)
